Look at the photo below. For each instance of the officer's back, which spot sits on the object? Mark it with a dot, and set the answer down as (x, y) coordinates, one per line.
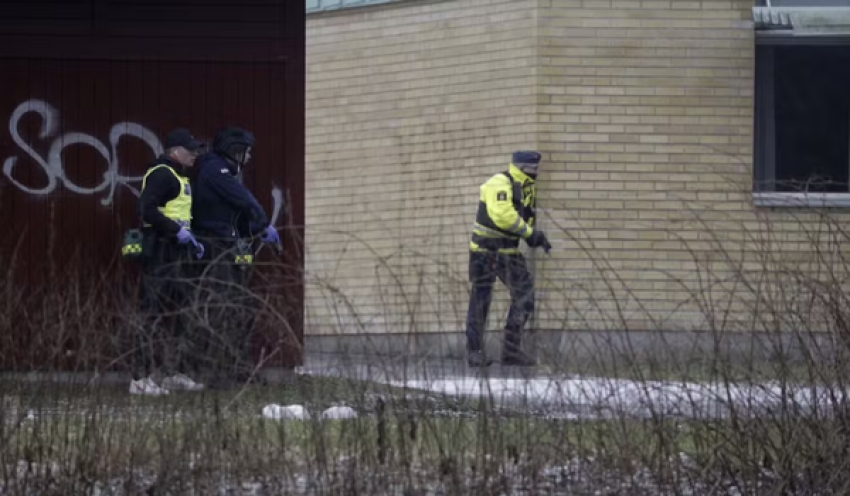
(220, 202)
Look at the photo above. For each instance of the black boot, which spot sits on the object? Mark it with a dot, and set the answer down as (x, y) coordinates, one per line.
(518, 359)
(477, 359)
(512, 354)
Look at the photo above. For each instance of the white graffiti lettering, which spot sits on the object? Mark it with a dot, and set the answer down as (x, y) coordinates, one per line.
(53, 167)
(277, 201)
(54, 170)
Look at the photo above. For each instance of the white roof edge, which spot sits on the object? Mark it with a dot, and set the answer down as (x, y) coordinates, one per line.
(803, 20)
(316, 6)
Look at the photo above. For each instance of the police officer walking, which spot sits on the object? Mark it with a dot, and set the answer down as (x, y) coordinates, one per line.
(224, 214)
(165, 206)
(506, 214)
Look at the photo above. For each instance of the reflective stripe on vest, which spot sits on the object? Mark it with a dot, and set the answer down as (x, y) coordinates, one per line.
(179, 208)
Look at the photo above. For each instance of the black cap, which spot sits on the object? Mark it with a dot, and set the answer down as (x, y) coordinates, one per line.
(182, 137)
(525, 157)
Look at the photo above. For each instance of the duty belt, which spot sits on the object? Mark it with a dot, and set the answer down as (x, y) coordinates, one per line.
(494, 243)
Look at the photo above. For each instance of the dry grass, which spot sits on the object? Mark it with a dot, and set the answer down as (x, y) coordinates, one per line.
(90, 438)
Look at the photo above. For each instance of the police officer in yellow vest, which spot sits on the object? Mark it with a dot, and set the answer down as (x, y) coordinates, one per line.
(506, 214)
(165, 206)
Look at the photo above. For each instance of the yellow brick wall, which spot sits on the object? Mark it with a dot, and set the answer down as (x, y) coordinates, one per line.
(643, 111)
(409, 106)
(646, 118)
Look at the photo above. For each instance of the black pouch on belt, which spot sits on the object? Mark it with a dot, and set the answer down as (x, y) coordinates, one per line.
(244, 255)
(133, 247)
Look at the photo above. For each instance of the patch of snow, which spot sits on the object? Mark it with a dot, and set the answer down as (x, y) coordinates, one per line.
(634, 397)
(563, 396)
(339, 412)
(277, 412)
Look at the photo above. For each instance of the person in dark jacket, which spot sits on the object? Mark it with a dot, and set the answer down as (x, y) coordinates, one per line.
(221, 200)
(224, 215)
(165, 207)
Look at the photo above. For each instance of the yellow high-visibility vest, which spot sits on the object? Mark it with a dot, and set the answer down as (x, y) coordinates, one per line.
(179, 208)
(506, 212)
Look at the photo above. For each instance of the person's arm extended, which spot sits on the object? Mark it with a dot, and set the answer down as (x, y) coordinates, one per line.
(229, 189)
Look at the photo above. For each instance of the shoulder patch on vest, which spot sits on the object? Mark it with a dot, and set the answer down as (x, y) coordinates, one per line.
(225, 171)
(502, 196)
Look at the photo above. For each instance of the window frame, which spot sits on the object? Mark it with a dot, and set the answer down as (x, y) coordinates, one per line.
(764, 125)
(802, 3)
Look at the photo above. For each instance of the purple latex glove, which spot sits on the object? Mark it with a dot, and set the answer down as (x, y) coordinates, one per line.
(269, 235)
(184, 236)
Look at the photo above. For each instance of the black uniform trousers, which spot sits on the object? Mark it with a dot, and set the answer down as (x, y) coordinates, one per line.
(229, 308)
(512, 271)
(166, 338)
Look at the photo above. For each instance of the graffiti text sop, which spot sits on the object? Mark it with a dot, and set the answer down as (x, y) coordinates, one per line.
(54, 169)
(52, 165)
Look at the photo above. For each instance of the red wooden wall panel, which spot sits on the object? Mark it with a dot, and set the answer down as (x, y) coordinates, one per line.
(97, 105)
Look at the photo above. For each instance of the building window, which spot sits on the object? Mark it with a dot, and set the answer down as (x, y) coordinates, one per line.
(802, 103)
(803, 118)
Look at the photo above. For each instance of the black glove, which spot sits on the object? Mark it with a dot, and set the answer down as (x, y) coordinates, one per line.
(538, 239)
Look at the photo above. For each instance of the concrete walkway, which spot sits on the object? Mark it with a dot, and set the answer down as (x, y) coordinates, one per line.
(541, 392)
(576, 396)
